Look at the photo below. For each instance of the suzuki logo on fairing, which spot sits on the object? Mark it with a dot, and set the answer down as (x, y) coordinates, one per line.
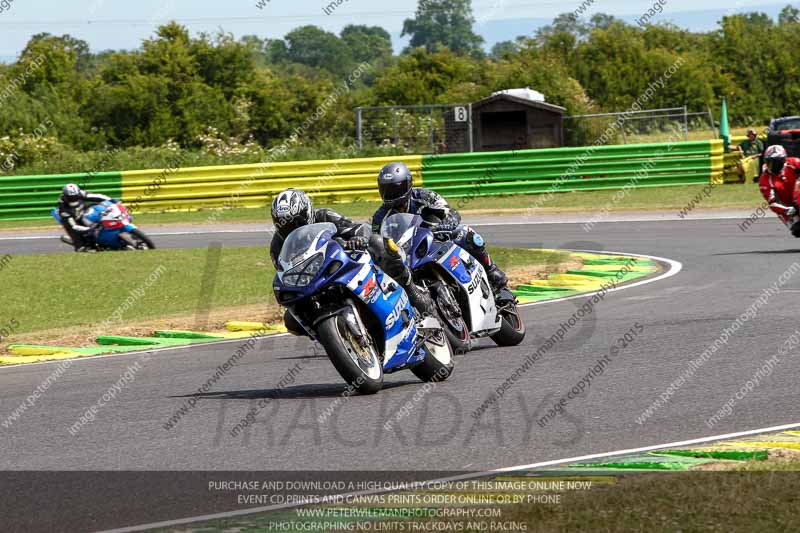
(397, 312)
(369, 287)
(474, 284)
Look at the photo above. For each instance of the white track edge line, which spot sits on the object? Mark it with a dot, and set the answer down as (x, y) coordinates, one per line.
(479, 224)
(160, 234)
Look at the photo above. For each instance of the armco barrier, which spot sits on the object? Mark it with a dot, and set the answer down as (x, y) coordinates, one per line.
(24, 197)
(732, 159)
(475, 174)
(332, 181)
(571, 169)
(174, 189)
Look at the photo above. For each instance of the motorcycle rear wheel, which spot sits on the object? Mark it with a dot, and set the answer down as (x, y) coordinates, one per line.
(512, 330)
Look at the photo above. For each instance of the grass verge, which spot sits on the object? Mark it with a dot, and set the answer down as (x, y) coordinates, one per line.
(649, 198)
(58, 298)
(756, 499)
(758, 496)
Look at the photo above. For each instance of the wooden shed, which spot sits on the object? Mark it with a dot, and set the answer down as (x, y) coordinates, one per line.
(505, 122)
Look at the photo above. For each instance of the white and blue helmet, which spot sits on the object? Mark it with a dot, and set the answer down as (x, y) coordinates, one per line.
(291, 209)
(72, 194)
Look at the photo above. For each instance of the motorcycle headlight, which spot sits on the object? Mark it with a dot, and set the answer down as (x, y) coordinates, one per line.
(305, 272)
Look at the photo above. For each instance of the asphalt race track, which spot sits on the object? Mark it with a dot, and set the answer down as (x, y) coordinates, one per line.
(307, 426)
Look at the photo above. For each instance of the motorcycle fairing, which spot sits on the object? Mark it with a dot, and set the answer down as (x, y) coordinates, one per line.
(470, 274)
(392, 309)
(357, 272)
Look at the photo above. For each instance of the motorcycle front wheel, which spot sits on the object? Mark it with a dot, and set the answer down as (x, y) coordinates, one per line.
(450, 315)
(358, 365)
(137, 240)
(143, 241)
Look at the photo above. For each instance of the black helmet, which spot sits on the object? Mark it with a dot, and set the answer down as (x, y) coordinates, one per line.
(291, 209)
(71, 194)
(394, 184)
(775, 158)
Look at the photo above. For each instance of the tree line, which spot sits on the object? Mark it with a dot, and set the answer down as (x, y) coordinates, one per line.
(233, 99)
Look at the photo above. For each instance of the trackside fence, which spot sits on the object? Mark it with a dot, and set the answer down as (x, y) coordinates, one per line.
(349, 180)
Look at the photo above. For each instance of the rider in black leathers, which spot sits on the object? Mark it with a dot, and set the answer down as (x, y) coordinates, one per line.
(72, 206)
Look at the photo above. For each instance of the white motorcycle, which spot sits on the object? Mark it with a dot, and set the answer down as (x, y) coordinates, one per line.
(467, 306)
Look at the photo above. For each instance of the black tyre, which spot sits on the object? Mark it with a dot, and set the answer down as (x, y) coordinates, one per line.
(512, 330)
(438, 364)
(144, 242)
(359, 366)
(451, 318)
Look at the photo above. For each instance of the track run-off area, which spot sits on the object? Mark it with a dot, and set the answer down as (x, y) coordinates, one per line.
(674, 351)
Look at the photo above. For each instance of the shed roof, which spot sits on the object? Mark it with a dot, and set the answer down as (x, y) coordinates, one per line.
(521, 101)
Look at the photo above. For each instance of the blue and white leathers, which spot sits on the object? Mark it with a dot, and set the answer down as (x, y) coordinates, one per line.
(313, 265)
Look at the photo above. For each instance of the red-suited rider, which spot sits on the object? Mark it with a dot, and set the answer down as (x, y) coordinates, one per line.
(778, 184)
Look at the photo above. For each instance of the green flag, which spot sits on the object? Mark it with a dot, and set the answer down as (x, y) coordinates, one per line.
(724, 128)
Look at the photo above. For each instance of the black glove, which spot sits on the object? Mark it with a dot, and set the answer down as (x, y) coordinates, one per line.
(447, 225)
(357, 244)
(444, 231)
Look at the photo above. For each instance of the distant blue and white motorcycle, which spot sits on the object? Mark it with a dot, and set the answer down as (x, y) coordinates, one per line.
(360, 315)
(467, 306)
(116, 230)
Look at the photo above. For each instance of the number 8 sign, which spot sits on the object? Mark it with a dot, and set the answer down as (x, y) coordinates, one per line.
(461, 114)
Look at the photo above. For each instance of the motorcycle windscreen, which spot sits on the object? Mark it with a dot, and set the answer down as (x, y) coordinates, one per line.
(400, 228)
(302, 243)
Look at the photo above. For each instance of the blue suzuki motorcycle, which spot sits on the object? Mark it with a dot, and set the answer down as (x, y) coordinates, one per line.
(116, 230)
(467, 306)
(360, 315)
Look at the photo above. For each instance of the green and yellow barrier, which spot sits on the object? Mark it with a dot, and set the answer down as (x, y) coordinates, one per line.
(351, 180)
(26, 197)
(573, 169)
(343, 180)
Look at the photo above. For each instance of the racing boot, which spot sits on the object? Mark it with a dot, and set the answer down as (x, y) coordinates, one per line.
(497, 278)
(395, 267)
(420, 299)
(473, 243)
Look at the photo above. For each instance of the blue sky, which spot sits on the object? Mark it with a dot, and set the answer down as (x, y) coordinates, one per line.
(119, 24)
